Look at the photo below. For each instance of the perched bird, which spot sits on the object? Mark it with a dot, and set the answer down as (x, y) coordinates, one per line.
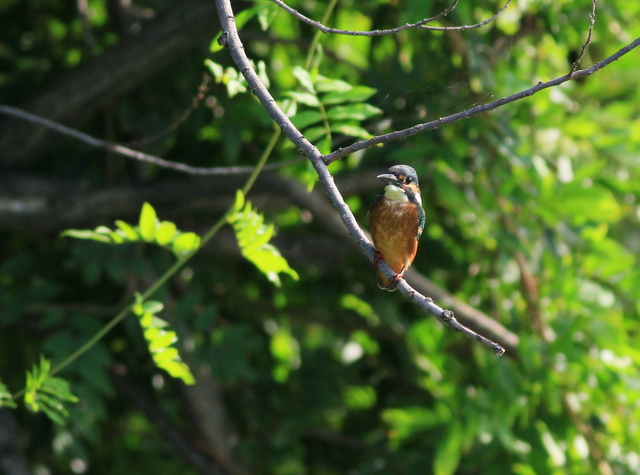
(396, 220)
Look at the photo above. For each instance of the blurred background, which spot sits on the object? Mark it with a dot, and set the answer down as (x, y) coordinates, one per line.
(533, 228)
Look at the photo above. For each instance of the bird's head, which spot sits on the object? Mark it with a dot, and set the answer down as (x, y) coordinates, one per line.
(402, 183)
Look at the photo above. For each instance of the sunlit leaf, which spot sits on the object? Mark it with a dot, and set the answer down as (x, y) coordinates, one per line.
(304, 98)
(148, 223)
(185, 243)
(87, 234)
(152, 306)
(47, 393)
(325, 84)
(253, 237)
(160, 341)
(166, 233)
(305, 79)
(163, 340)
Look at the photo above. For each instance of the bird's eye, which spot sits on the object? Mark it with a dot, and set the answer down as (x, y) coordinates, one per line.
(409, 179)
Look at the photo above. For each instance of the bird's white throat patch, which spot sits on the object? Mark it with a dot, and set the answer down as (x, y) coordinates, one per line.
(393, 193)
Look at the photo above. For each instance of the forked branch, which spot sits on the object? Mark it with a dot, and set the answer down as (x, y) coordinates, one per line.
(231, 39)
(422, 24)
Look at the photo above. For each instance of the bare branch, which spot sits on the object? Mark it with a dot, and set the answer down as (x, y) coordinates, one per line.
(231, 39)
(468, 27)
(592, 22)
(130, 153)
(422, 24)
(434, 124)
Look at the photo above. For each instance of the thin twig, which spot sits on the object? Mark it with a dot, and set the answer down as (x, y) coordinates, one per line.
(422, 24)
(231, 39)
(135, 154)
(592, 22)
(434, 124)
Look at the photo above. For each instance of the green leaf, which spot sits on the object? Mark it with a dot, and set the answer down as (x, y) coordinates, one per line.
(216, 69)
(449, 451)
(238, 204)
(185, 243)
(6, 400)
(315, 133)
(304, 98)
(253, 237)
(166, 233)
(262, 74)
(353, 111)
(325, 84)
(165, 355)
(148, 223)
(159, 341)
(235, 84)
(579, 204)
(164, 339)
(305, 79)
(304, 119)
(408, 421)
(178, 369)
(46, 393)
(87, 234)
(117, 237)
(267, 11)
(152, 307)
(324, 145)
(258, 239)
(351, 131)
(355, 94)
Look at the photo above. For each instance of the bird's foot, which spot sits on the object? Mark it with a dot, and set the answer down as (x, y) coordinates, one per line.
(396, 277)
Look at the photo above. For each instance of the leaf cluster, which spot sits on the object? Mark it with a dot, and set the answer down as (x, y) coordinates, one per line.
(149, 229)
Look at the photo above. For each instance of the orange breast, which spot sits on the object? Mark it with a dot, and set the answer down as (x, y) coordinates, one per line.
(394, 230)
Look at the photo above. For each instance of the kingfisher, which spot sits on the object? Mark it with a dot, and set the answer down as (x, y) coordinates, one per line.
(396, 220)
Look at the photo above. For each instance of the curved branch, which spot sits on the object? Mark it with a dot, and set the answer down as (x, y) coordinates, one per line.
(422, 24)
(434, 124)
(130, 153)
(231, 39)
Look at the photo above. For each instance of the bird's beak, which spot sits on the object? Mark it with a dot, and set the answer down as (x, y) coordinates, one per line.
(390, 179)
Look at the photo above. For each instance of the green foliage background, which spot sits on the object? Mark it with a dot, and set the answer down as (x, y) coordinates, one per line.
(532, 218)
